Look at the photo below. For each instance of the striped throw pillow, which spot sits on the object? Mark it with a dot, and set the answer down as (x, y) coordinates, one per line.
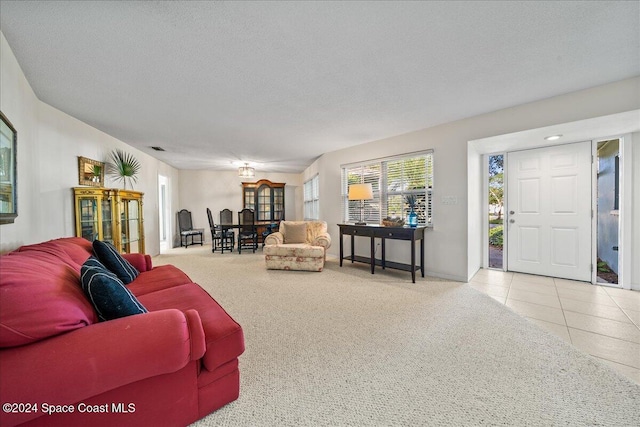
(108, 295)
(110, 258)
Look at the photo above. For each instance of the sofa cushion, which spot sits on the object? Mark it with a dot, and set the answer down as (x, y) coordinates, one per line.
(110, 258)
(107, 293)
(40, 297)
(295, 250)
(294, 263)
(72, 251)
(158, 278)
(295, 233)
(314, 229)
(224, 337)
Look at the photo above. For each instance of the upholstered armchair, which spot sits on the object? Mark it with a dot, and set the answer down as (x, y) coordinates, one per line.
(297, 245)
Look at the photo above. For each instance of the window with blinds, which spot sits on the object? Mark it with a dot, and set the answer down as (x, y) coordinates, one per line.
(311, 199)
(392, 180)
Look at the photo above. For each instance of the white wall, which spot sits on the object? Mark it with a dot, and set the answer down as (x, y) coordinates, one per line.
(635, 213)
(217, 190)
(446, 252)
(49, 143)
(19, 105)
(454, 245)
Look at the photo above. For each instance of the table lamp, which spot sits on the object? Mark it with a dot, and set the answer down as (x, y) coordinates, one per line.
(361, 192)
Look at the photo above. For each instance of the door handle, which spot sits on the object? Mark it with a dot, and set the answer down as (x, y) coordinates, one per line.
(511, 212)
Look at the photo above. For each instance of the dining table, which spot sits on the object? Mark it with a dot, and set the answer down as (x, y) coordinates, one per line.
(270, 227)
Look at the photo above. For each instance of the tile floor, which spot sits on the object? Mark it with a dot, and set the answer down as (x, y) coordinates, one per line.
(599, 320)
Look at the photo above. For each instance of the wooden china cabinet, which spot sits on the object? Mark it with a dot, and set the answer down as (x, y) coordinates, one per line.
(111, 215)
(266, 198)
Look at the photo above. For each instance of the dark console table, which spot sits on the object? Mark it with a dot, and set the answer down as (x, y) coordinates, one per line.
(397, 233)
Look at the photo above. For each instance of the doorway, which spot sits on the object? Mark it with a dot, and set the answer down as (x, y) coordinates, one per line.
(549, 211)
(164, 209)
(608, 210)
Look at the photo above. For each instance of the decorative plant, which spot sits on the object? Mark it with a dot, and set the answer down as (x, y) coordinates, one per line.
(412, 217)
(603, 267)
(496, 236)
(96, 171)
(411, 200)
(123, 167)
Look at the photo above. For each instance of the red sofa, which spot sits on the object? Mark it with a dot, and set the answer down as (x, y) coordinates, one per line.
(60, 366)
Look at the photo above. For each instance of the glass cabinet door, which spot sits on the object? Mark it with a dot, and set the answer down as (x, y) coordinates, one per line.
(107, 222)
(88, 211)
(89, 203)
(132, 215)
(264, 203)
(250, 198)
(278, 204)
(130, 218)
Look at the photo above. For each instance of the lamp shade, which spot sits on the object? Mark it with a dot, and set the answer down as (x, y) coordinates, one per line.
(360, 192)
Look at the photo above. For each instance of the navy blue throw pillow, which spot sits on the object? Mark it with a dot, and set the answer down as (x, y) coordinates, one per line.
(109, 296)
(110, 258)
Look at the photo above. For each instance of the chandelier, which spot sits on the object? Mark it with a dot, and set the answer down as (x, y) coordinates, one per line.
(246, 171)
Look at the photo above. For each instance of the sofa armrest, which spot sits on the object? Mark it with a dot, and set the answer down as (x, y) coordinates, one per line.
(86, 362)
(276, 238)
(322, 239)
(142, 262)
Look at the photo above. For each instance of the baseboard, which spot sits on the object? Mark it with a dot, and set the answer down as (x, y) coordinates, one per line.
(439, 275)
(435, 274)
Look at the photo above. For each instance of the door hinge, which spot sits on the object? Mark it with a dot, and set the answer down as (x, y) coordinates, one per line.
(591, 213)
(591, 267)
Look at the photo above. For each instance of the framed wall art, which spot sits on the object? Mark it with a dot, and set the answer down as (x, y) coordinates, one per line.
(8, 171)
(90, 172)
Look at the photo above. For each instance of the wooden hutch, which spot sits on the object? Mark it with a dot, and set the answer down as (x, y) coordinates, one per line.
(266, 198)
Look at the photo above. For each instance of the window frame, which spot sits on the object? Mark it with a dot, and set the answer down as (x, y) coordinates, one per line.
(378, 208)
(311, 205)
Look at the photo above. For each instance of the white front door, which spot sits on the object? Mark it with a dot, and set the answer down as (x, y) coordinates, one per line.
(549, 211)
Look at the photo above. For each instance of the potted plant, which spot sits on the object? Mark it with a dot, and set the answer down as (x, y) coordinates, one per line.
(124, 167)
(96, 170)
(412, 217)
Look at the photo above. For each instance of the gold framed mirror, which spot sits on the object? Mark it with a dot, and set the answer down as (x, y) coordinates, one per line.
(90, 172)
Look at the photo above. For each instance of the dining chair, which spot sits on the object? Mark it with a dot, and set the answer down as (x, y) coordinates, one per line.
(220, 238)
(186, 229)
(247, 233)
(226, 216)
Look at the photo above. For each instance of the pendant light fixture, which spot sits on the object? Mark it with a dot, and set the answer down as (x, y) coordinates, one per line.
(246, 171)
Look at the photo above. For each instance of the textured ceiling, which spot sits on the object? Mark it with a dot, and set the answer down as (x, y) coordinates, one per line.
(277, 84)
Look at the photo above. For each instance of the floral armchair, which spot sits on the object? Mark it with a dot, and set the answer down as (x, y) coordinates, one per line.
(298, 245)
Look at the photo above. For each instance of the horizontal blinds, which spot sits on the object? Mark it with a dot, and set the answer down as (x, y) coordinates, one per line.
(409, 176)
(311, 199)
(368, 209)
(392, 180)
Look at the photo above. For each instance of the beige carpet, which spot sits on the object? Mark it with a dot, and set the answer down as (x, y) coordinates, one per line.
(345, 348)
